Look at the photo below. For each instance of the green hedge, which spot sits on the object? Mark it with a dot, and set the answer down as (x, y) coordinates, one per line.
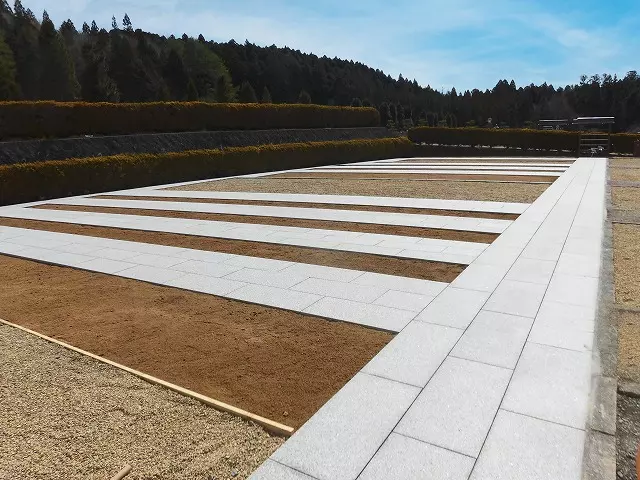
(27, 182)
(57, 119)
(494, 137)
(514, 138)
(623, 142)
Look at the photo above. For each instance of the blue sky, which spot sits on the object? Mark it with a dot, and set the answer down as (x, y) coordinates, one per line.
(444, 43)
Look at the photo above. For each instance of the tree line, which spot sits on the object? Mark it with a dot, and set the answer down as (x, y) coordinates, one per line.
(41, 62)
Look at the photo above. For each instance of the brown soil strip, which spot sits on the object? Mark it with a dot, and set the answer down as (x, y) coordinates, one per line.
(500, 192)
(292, 222)
(328, 206)
(625, 173)
(71, 417)
(418, 176)
(278, 364)
(405, 267)
(626, 198)
(626, 251)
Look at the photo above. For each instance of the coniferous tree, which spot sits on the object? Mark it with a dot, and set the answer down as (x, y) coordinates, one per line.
(68, 32)
(192, 91)
(126, 23)
(393, 114)
(85, 29)
(400, 110)
(266, 96)
(356, 102)
(23, 41)
(385, 114)
(57, 72)
(225, 91)
(96, 84)
(247, 94)
(9, 88)
(176, 76)
(114, 23)
(304, 97)
(94, 28)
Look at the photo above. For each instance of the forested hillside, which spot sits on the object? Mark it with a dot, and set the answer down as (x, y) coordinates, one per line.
(41, 61)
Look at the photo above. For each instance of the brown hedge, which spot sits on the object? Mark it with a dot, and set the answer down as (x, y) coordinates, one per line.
(514, 138)
(59, 178)
(57, 119)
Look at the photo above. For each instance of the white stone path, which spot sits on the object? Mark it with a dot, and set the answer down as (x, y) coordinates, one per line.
(376, 218)
(449, 251)
(381, 301)
(426, 203)
(467, 165)
(492, 379)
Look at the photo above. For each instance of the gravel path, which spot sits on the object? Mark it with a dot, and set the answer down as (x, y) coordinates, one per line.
(498, 192)
(65, 416)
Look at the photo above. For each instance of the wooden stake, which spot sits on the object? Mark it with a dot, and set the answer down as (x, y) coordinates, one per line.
(269, 425)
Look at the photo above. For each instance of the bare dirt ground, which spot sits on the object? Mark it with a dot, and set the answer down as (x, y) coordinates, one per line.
(65, 417)
(328, 206)
(293, 222)
(498, 192)
(418, 176)
(275, 363)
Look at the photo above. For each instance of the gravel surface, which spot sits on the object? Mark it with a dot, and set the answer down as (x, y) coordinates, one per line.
(624, 162)
(629, 346)
(65, 416)
(632, 174)
(499, 192)
(626, 265)
(626, 198)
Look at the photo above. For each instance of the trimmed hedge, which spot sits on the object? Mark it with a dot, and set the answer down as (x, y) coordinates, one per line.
(27, 182)
(58, 119)
(514, 138)
(494, 137)
(623, 142)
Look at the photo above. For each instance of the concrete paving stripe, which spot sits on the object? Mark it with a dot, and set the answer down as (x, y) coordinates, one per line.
(384, 218)
(431, 203)
(449, 251)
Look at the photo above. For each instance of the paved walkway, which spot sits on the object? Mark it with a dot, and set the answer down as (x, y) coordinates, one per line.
(410, 171)
(490, 381)
(425, 203)
(376, 244)
(381, 301)
(470, 224)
